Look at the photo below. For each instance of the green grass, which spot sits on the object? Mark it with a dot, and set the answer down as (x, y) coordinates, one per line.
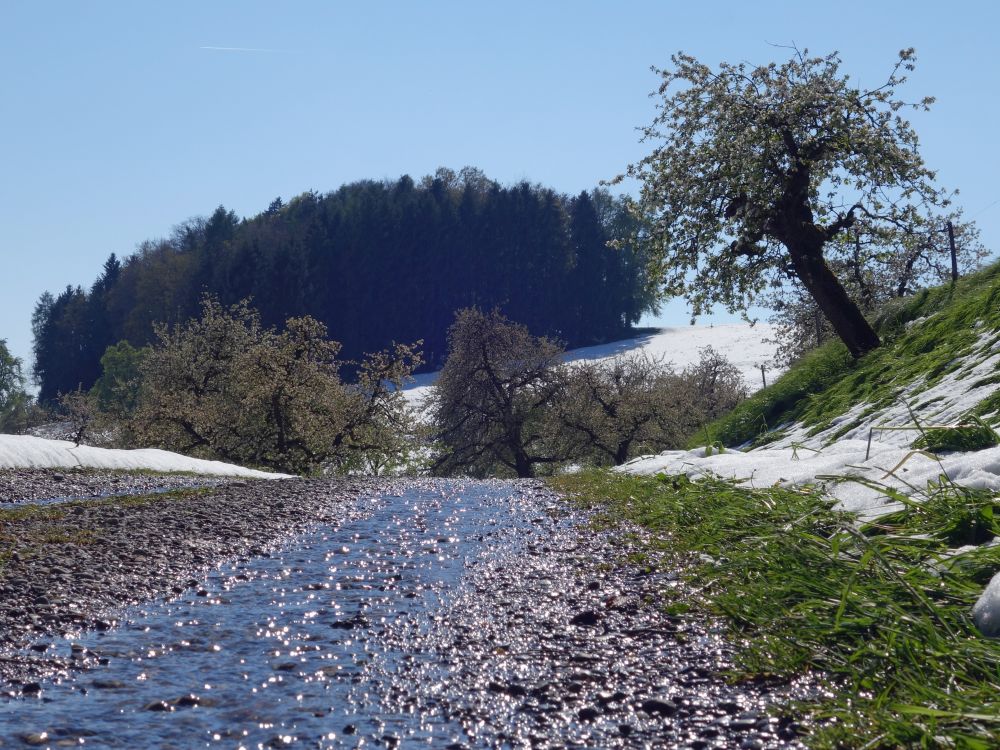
(880, 611)
(826, 383)
(989, 407)
(780, 402)
(973, 435)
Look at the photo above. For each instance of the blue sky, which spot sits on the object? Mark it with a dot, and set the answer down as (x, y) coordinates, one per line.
(119, 120)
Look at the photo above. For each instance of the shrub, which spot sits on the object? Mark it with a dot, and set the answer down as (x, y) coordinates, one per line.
(224, 387)
(15, 403)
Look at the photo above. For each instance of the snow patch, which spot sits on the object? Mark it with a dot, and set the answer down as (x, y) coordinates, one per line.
(986, 612)
(28, 452)
(852, 466)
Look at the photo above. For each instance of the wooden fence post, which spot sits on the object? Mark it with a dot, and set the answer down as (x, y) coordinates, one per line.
(954, 255)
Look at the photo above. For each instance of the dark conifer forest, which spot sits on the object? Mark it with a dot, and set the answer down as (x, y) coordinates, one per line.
(376, 261)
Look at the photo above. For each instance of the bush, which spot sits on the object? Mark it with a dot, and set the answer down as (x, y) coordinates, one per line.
(224, 387)
(15, 402)
(117, 390)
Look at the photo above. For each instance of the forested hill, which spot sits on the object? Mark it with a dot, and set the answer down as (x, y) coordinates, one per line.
(376, 261)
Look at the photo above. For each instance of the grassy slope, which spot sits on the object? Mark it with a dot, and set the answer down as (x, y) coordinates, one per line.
(881, 610)
(946, 323)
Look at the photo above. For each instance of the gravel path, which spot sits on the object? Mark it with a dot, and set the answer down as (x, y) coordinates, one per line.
(23, 485)
(560, 643)
(555, 640)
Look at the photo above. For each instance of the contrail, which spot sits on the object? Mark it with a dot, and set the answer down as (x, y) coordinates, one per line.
(240, 49)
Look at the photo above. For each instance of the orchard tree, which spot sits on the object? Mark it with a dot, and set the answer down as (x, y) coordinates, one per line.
(614, 409)
(224, 386)
(489, 402)
(875, 270)
(760, 170)
(715, 384)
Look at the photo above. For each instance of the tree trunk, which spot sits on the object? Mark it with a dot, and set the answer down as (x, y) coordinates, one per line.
(852, 327)
(621, 454)
(523, 465)
(795, 227)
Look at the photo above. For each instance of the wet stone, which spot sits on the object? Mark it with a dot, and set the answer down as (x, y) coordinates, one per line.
(108, 684)
(659, 707)
(35, 739)
(744, 722)
(588, 618)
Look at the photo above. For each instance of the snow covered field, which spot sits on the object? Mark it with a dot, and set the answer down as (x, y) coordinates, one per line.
(26, 452)
(743, 345)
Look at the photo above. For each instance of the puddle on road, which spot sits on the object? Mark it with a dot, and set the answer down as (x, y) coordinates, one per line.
(279, 651)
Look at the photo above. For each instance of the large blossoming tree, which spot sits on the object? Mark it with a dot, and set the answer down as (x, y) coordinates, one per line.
(759, 173)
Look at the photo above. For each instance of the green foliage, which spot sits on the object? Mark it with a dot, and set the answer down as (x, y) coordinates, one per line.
(117, 390)
(15, 403)
(989, 407)
(783, 400)
(882, 613)
(223, 386)
(764, 177)
(950, 515)
(376, 262)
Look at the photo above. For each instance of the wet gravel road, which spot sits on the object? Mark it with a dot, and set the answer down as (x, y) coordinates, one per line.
(393, 614)
(34, 485)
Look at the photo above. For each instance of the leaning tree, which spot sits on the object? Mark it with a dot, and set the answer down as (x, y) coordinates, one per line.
(759, 171)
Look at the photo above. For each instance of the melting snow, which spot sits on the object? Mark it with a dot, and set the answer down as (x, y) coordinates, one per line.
(26, 452)
(837, 468)
(845, 468)
(801, 458)
(986, 612)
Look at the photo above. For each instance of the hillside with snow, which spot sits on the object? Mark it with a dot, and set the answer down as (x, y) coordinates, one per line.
(746, 347)
(851, 426)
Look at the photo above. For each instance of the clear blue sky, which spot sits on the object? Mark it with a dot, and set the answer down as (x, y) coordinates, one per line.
(119, 120)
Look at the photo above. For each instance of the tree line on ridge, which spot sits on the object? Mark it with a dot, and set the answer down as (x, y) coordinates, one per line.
(376, 262)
